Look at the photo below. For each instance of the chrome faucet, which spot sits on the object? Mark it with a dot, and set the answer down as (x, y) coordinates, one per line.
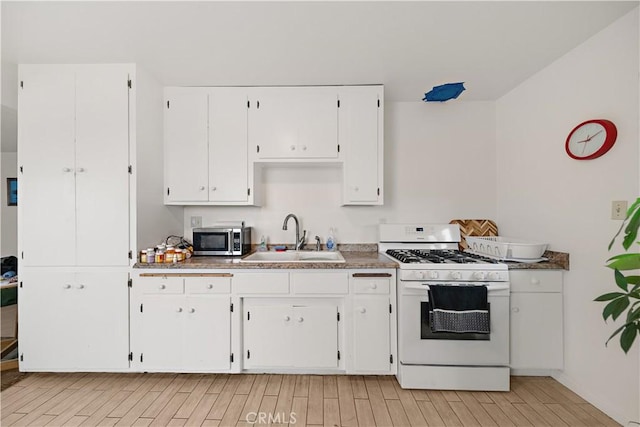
(300, 241)
(318, 244)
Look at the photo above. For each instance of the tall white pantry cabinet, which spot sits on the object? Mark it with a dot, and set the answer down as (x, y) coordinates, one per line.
(76, 227)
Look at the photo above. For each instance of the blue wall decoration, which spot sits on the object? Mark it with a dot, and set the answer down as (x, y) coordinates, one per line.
(444, 92)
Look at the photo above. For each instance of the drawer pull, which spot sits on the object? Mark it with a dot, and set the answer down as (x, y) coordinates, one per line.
(535, 281)
(179, 310)
(80, 286)
(300, 319)
(374, 286)
(516, 309)
(67, 286)
(162, 286)
(362, 310)
(287, 318)
(192, 310)
(209, 286)
(370, 275)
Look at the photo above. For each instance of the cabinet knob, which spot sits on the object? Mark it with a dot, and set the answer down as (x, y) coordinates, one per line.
(356, 189)
(192, 310)
(179, 310)
(209, 286)
(66, 169)
(362, 310)
(304, 148)
(80, 286)
(300, 319)
(202, 188)
(214, 188)
(535, 281)
(293, 148)
(374, 286)
(287, 318)
(80, 170)
(67, 286)
(162, 286)
(515, 309)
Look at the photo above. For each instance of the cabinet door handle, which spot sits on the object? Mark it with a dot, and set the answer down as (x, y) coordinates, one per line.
(293, 148)
(179, 310)
(362, 310)
(66, 169)
(162, 286)
(80, 170)
(214, 188)
(209, 286)
(300, 319)
(202, 188)
(80, 286)
(192, 310)
(515, 309)
(356, 189)
(304, 148)
(67, 286)
(535, 281)
(374, 286)
(287, 318)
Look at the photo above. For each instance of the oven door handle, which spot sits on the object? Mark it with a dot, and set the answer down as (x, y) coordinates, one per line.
(425, 287)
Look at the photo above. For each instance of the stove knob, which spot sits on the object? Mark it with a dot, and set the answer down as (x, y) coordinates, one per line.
(456, 275)
(433, 275)
(494, 276)
(479, 275)
(420, 274)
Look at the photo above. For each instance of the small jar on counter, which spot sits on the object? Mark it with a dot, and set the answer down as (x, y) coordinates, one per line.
(159, 255)
(143, 256)
(179, 255)
(151, 256)
(170, 254)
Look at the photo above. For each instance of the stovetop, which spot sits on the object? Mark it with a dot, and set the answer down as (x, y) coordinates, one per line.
(438, 256)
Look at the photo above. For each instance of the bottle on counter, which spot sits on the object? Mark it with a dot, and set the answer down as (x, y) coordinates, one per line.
(160, 254)
(143, 256)
(263, 244)
(151, 256)
(170, 254)
(331, 243)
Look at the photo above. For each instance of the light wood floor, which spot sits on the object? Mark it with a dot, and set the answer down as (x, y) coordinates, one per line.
(298, 400)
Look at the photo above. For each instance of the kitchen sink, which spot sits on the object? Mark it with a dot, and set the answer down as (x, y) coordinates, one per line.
(293, 256)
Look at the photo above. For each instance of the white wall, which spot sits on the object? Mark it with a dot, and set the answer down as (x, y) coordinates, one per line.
(545, 195)
(154, 220)
(8, 214)
(439, 165)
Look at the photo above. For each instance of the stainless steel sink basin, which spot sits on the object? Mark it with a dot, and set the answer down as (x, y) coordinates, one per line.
(293, 256)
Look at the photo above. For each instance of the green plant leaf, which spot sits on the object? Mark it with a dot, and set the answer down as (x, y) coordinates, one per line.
(609, 296)
(615, 308)
(616, 332)
(633, 280)
(621, 281)
(628, 336)
(631, 232)
(624, 262)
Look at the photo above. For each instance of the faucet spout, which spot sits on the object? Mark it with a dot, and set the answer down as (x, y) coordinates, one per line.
(299, 244)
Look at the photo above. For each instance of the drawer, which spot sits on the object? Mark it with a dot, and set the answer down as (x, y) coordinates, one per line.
(536, 280)
(370, 285)
(320, 283)
(162, 285)
(207, 285)
(261, 283)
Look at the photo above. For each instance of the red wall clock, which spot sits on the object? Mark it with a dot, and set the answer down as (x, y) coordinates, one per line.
(591, 139)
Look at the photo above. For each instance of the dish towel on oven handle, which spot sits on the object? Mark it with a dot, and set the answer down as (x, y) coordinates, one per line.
(460, 309)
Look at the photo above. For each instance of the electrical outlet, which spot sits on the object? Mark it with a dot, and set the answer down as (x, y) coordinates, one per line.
(196, 221)
(619, 209)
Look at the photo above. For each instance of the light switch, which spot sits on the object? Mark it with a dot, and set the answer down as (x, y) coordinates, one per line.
(619, 209)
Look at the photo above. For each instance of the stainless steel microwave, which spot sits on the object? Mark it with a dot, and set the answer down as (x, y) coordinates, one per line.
(229, 240)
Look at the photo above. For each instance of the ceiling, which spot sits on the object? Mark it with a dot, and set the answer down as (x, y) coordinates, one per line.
(407, 46)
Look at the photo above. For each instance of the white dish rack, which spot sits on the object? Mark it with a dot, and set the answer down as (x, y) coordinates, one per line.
(506, 248)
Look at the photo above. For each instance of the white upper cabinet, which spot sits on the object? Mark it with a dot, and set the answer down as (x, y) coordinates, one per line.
(73, 155)
(186, 149)
(294, 123)
(206, 160)
(361, 136)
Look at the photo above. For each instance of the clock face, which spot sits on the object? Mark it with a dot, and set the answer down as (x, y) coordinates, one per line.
(591, 139)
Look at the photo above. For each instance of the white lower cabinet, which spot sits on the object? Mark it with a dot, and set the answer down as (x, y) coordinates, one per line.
(264, 320)
(186, 330)
(536, 321)
(73, 320)
(290, 335)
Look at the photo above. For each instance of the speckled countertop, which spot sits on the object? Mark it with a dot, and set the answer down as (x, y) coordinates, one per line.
(355, 256)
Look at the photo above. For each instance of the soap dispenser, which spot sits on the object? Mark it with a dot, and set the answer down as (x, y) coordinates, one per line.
(331, 243)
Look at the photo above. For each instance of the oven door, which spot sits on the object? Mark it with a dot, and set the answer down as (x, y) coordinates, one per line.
(218, 242)
(419, 346)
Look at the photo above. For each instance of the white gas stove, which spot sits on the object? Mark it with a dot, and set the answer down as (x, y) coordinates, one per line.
(428, 255)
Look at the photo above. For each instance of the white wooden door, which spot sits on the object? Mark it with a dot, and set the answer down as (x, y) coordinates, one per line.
(371, 342)
(161, 334)
(73, 321)
(186, 145)
(268, 335)
(207, 334)
(315, 337)
(46, 112)
(102, 162)
(359, 137)
(228, 161)
(294, 122)
(536, 330)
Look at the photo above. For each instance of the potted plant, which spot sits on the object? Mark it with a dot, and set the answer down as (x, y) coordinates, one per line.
(627, 298)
